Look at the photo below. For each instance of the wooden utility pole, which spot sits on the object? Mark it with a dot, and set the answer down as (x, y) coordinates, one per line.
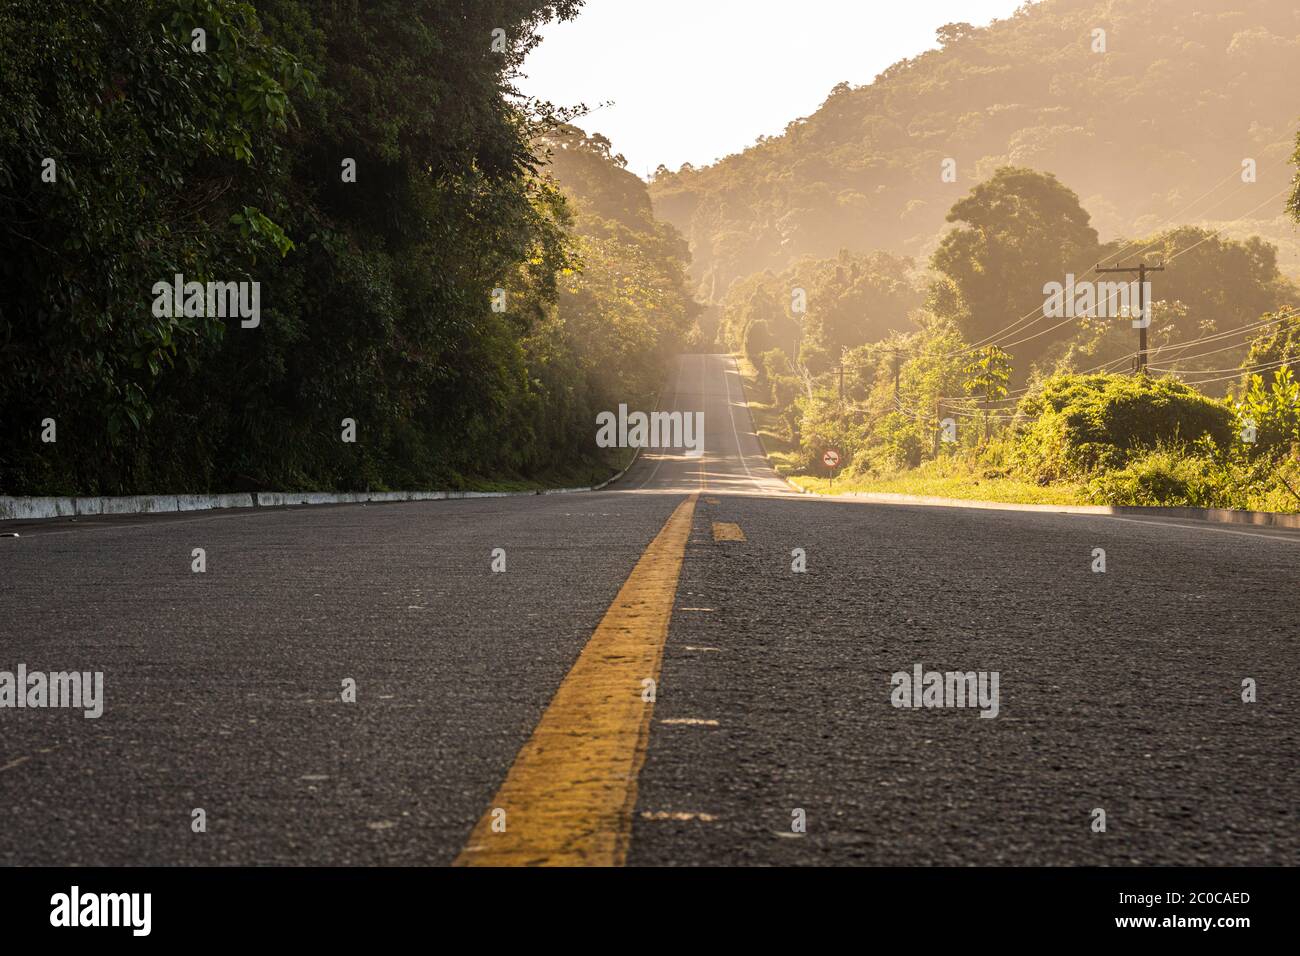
(1141, 270)
(898, 369)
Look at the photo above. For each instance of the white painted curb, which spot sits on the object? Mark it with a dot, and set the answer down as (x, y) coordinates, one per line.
(31, 509)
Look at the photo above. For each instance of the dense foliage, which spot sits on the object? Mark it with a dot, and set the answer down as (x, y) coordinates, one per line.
(1080, 424)
(225, 156)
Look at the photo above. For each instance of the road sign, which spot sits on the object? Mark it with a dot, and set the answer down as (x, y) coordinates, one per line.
(831, 458)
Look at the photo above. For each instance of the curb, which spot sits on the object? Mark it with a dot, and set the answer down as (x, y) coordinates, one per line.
(32, 509)
(1266, 519)
(1262, 519)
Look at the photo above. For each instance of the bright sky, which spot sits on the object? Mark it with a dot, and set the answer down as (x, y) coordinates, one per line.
(695, 80)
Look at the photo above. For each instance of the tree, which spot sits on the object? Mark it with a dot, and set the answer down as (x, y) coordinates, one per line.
(456, 301)
(951, 33)
(853, 299)
(1017, 231)
(1273, 410)
(1276, 344)
(990, 371)
(989, 374)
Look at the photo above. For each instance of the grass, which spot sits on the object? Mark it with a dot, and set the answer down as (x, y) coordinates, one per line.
(952, 478)
(968, 488)
(779, 450)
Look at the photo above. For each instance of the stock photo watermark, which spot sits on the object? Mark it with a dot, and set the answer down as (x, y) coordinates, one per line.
(673, 430)
(1075, 299)
(920, 688)
(75, 690)
(213, 300)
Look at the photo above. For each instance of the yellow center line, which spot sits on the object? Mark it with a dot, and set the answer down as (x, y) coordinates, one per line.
(569, 796)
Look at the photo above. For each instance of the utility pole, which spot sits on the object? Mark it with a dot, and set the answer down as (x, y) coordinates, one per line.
(1143, 321)
(898, 369)
(938, 418)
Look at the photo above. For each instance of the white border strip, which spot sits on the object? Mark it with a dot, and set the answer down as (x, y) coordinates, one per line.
(33, 509)
(1259, 519)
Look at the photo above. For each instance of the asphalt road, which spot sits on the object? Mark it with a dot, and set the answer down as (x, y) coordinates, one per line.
(1119, 691)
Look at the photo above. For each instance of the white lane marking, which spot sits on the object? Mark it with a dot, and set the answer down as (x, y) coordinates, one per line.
(704, 443)
(1160, 523)
(677, 815)
(731, 412)
(690, 721)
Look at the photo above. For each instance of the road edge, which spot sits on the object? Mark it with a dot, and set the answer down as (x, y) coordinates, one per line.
(735, 361)
(37, 508)
(1261, 519)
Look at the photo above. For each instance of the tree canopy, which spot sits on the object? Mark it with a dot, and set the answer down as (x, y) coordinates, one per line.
(422, 271)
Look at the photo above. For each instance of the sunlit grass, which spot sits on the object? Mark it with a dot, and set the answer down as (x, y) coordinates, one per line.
(942, 480)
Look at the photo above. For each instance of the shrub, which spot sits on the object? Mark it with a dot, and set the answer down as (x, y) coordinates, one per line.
(1082, 424)
(1274, 410)
(1167, 476)
(825, 426)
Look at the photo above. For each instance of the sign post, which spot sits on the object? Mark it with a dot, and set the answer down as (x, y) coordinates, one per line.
(830, 460)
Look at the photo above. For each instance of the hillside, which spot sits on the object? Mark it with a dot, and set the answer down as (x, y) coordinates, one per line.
(1124, 128)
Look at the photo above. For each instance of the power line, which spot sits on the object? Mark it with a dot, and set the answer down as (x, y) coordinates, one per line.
(1215, 336)
(1219, 232)
(1240, 369)
(1180, 214)
(1187, 358)
(1145, 244)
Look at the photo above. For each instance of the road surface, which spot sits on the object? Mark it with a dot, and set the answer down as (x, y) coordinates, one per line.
(649, 682)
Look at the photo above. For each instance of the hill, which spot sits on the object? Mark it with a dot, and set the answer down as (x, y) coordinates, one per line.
(1119, 117)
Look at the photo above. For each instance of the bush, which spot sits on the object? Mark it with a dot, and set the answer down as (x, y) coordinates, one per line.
(826, 425)
(1083, 424)
(903, 443)
(1274, 410)
(1171, 477)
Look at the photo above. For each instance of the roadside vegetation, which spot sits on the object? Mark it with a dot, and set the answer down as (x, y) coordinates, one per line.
(881, 265)
(951, 382)
(1099, 439)
(441, 261)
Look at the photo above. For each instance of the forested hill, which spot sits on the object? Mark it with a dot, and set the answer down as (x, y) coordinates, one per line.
(1175, 103)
